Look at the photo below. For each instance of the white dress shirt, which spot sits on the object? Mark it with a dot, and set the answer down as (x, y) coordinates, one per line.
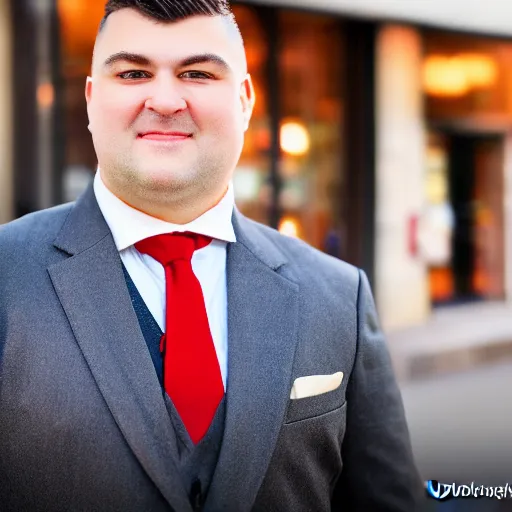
(129, 226)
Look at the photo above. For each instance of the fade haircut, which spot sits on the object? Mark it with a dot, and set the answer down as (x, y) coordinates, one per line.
(171, 10)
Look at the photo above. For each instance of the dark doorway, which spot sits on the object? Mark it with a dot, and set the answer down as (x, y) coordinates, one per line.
(475, 168)
(461, 185)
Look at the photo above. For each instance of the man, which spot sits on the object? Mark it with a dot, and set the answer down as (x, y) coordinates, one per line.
(271, 389)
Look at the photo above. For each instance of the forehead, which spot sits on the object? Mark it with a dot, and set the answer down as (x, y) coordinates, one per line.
(129, 31)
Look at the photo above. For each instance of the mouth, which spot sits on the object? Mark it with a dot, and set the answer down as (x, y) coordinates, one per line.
(161, 136)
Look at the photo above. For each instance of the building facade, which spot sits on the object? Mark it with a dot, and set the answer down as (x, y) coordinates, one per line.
(381, 135)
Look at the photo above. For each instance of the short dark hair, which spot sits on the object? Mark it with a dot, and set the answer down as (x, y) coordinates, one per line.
(169, 10)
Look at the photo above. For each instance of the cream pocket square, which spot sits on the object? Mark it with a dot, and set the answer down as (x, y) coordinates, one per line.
(313, 385)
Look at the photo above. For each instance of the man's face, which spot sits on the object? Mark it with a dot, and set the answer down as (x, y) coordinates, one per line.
(168, 105)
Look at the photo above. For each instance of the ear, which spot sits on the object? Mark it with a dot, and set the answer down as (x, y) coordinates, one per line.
(248, 98)
(88, 89)
(88, 97)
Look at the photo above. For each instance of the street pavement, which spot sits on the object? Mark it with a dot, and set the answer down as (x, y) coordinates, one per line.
(461, 429)
(453, 338)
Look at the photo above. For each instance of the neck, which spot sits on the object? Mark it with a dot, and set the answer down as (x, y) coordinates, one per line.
(180, 211)
(180, 214)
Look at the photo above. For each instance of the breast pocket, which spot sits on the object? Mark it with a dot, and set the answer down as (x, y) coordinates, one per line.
(312, 406)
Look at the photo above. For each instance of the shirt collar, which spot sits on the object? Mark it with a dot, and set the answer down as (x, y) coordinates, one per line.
(129, 226)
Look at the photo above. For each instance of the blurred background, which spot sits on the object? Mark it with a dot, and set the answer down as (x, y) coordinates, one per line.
(382, 135)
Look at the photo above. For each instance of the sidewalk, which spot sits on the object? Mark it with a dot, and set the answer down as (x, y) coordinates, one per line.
(454, 338)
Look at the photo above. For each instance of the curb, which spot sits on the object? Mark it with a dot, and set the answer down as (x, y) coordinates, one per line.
(423, 366)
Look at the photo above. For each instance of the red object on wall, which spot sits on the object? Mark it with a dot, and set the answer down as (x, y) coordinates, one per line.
(412, 235)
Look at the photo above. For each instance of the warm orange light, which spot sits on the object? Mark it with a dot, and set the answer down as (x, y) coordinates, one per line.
(294, 138)
(441, 283)
(79, 22)
(45, 95)
(289, 227)
(480, 70)
(456, 76)
(444, 76)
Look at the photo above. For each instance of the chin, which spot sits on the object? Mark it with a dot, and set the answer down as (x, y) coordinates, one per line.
(166, 178)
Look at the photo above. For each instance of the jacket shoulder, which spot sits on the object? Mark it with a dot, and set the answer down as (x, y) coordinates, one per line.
(308, 260)
(33, 231)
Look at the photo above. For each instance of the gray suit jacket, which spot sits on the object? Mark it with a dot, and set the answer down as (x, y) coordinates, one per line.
(83, 425)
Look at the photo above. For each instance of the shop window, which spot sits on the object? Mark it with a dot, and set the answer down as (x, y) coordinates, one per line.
(311, 139)
(466, 81)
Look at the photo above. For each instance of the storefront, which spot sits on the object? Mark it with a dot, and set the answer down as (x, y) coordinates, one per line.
(443, 171)
(468, 104)
(307, 166)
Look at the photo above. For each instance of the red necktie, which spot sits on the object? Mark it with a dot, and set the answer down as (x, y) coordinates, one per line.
(192, 376)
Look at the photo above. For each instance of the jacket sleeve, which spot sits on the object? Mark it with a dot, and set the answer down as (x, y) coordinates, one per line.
(379, 473)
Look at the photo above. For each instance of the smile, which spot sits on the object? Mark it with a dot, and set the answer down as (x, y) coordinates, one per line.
(164, 136)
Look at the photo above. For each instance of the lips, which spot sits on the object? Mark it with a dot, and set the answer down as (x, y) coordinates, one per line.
(164, 136)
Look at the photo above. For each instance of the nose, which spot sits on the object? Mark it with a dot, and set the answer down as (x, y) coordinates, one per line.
(166, 97)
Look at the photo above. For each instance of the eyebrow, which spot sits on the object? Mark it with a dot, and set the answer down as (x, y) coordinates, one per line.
(134, 58)
(141, 60)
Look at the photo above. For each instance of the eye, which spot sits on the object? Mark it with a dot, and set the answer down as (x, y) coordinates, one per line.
(133, 75)
(196, 75)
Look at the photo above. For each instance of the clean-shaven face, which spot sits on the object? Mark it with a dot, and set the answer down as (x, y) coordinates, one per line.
(168, 106)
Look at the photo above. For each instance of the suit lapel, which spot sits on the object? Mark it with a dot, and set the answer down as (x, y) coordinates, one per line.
(92, 290)
(262, 337)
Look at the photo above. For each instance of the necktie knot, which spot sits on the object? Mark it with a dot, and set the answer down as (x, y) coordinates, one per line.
(171, 247)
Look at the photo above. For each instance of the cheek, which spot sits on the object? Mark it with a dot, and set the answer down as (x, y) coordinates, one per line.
(218, 114)
(114, 111)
